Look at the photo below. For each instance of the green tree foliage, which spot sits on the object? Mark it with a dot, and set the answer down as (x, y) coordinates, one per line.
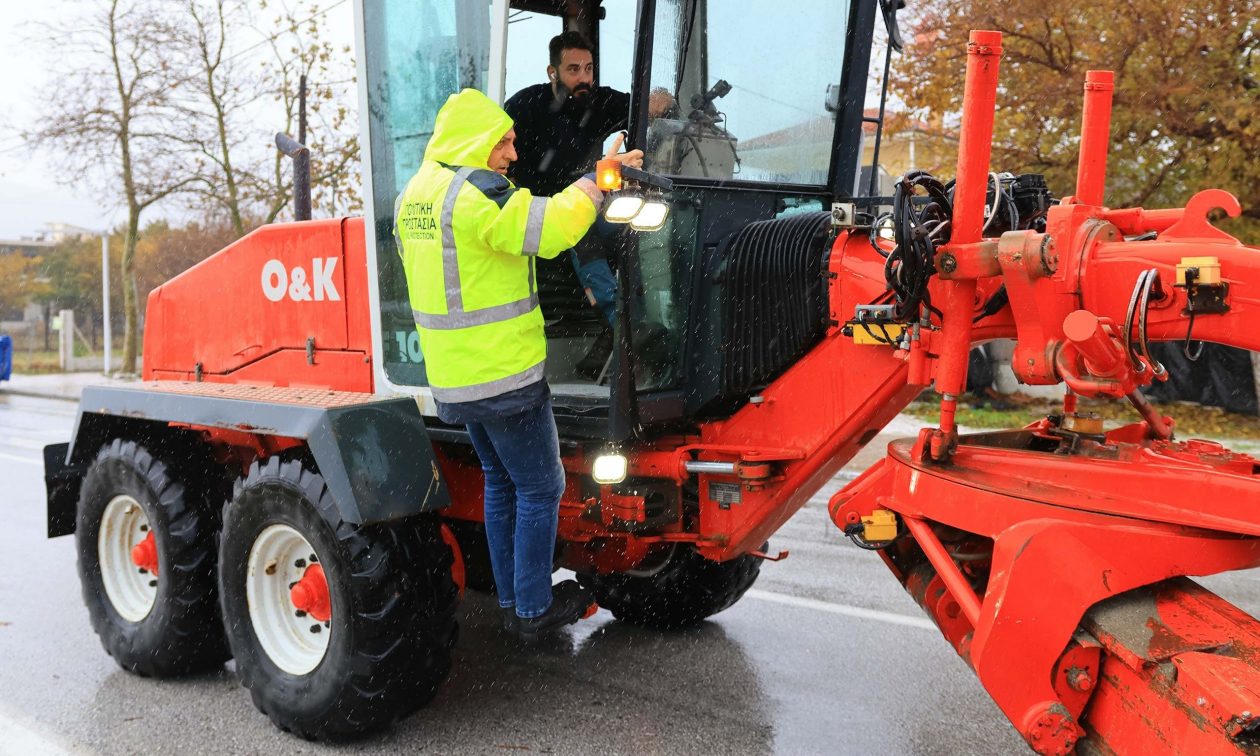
(1187, 98)
(69, 277)
(17, 283)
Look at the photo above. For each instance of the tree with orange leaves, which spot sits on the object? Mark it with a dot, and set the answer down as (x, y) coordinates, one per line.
(1187, 99)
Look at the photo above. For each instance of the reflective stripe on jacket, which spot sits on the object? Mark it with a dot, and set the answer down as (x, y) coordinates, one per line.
(468, 239)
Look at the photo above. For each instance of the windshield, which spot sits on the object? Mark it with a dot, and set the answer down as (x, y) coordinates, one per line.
(750, 85)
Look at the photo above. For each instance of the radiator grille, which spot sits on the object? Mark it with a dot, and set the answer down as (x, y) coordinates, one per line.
(775, 303)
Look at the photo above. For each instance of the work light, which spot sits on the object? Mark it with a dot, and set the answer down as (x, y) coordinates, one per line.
(623, 206)
(652, 213)
(609, 469)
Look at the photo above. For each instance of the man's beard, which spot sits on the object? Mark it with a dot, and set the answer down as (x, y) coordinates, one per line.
(579, 92)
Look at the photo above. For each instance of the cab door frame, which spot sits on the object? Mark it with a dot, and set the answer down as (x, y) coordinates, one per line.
(495, 81)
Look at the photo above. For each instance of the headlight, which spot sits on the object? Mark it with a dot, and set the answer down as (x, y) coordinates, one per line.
(650, 217)
(609, 469)
(623, 207)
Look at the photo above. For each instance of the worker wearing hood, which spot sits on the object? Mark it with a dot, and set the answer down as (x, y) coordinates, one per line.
(469, 240)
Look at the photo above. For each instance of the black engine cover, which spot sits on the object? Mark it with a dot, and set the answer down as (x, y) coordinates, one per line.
(760, 303)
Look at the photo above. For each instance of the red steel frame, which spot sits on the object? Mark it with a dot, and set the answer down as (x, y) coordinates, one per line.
(1008, 547)
(1012, 545)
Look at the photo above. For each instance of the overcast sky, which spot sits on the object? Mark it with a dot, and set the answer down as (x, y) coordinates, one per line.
(765, 98)
(30, 197)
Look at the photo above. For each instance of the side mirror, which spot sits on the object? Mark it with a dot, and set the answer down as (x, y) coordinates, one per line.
(889, 10)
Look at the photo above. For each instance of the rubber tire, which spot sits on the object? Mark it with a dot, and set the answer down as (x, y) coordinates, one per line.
(686, 591)
(393, 604)
(183, 632)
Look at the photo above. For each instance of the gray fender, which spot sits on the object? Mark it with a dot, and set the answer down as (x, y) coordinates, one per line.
(374, 455)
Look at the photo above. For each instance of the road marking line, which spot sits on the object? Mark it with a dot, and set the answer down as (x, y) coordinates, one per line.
(20, 740)
(26, 443)
(849, 611)
(16, 458)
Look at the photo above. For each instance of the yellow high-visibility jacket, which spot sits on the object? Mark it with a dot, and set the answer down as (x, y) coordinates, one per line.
(468, 240)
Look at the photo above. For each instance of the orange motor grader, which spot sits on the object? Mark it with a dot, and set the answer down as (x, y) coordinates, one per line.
(279, 489)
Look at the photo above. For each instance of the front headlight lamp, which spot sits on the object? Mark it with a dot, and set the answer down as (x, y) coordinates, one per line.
(609, 469)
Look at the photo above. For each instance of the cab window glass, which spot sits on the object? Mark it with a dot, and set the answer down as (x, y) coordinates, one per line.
(422, 52)
(750, 86)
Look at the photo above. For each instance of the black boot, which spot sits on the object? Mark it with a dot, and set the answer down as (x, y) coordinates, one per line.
(590, 366)
(570, 602)
(508, 615)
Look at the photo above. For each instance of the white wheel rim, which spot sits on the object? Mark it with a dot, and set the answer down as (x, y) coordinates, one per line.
(132, 590)
(277, 560)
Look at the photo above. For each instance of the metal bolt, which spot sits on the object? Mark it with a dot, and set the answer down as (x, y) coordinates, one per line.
(314, 559)
(144, 528)
(949, 263)
(153, 584)
(1079, 679)
(300, 613)
(316, 628)
(143, 570)
(300, 563)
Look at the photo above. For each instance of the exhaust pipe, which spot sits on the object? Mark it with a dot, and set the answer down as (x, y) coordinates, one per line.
(301, 155)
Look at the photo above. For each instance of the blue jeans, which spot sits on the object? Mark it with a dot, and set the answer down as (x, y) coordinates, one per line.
(520, 456)
(597, 276)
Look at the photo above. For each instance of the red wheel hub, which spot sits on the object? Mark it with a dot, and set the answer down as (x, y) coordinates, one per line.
(145, 555)
(310, 594)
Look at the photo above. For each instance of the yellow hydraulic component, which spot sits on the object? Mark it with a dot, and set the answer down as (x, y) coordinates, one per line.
(879, 525)
(1209, 270)
(1083, 422)
(878, 334)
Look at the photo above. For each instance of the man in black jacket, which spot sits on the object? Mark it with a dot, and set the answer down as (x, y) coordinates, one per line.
(561, 127)
(562, 124)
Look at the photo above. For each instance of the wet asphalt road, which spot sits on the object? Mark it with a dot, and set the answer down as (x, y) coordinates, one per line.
(825, 655)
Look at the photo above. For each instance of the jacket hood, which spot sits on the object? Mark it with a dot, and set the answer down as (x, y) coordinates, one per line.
(468, 127)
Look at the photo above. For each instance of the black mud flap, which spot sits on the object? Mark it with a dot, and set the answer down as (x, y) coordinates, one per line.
(62, 480)
(375, 454)
(378, 456)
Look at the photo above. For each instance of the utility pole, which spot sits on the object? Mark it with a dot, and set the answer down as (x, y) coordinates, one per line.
(105, 296)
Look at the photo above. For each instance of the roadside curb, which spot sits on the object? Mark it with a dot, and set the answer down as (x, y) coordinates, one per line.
(5, 391)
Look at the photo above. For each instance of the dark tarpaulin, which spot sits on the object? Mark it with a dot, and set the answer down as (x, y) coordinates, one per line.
(1221, 377)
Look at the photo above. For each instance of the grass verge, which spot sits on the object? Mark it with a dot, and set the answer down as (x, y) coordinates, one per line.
(1192, 420)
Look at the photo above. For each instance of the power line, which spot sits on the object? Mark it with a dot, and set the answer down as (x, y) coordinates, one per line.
(266, 40)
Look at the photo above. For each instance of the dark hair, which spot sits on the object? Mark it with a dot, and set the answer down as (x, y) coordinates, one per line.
(569, 40)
